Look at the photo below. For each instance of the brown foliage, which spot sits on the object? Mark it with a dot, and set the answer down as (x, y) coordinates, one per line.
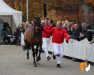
(56, 9)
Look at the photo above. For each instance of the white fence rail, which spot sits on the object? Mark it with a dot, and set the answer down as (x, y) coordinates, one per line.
(78, 49)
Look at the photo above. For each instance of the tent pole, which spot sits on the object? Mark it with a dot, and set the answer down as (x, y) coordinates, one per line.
(27, 9)
(11, 23)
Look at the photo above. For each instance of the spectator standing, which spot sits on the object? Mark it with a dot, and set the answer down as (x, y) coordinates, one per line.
(76, 32)
(17, 34)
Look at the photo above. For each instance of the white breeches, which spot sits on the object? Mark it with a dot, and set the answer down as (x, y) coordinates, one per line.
(45, 45)
(58, 49)
(58, 52)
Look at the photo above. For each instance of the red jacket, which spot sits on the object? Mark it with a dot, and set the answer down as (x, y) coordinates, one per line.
(45, 34)
(58, 35)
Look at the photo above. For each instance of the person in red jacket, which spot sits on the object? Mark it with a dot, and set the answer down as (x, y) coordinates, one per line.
(58, 35)
(46, 37)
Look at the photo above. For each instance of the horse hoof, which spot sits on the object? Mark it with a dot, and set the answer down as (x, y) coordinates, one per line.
(27, 57)
(35, 65)
(38, 59)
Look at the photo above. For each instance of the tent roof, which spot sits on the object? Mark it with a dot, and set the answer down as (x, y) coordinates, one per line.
(7, 10)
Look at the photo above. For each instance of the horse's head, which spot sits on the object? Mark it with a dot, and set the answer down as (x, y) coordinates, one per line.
(37, 25)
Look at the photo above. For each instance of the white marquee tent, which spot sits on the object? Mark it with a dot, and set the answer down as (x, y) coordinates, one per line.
(5, 10)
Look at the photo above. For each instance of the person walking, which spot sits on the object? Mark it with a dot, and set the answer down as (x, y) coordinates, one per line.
(58, 35)
(46, 37)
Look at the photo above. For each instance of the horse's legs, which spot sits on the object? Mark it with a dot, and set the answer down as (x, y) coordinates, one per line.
(39, 56)
(34, 56)
(36, 52)
(27, 54)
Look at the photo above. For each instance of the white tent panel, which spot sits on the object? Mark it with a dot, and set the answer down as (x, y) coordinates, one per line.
(17, 19)
(5, 7)
(7, 10)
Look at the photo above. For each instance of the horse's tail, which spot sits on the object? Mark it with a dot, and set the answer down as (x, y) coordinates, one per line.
(26, 46)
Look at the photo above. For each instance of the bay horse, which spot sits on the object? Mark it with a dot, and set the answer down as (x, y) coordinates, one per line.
(33, 40)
